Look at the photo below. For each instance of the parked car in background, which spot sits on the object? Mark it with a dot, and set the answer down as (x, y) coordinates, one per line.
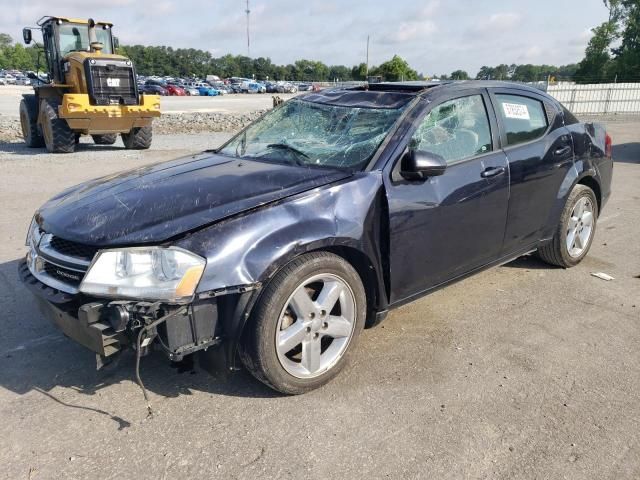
(286, 87)
(153, 89)
(156, 87)
(305, 87)
(220, 87)
(190, 91)
(3, 81)
(318, 234)
(207, 91)
(174, 90)
(254, 87)
(271, 87)
(22, 80)
(10, 79)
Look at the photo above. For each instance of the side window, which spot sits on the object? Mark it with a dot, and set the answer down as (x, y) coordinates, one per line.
(524, 118)
(455, 130)
(569, 118)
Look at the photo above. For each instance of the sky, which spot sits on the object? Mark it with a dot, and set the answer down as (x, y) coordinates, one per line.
(434, 36)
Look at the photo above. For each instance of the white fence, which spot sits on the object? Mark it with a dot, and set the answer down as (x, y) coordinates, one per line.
(598, 99)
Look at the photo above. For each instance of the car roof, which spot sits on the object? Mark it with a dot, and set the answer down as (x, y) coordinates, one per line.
(422, 87)
(391, 95)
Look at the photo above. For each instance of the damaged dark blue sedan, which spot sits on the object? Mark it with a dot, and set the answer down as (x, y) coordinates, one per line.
(277, 249)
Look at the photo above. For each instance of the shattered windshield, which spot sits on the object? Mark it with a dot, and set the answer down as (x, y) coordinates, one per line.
(313, 134)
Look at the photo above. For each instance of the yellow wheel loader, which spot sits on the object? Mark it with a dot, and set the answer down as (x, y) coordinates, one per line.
(89, 90)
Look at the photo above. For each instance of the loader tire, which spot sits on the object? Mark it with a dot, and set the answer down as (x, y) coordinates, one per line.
(105, 138)
(139, 138)
(29, 122)
(58, 137)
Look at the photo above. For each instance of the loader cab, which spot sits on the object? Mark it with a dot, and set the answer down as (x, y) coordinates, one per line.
(63, 37)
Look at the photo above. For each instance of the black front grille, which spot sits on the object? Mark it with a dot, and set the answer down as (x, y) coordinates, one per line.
(73, 249)
(65, 275)
(111, 82)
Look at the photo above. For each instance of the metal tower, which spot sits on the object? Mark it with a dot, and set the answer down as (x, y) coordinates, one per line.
(247, 11)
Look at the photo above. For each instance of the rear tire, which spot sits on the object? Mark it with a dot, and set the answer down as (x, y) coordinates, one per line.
(105, 138)
(138, 138)
(306, 323)
(58, 137)
(29, 122)
(575, 231)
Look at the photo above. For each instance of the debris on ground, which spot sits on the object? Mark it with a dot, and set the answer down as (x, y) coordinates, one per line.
(602, 276)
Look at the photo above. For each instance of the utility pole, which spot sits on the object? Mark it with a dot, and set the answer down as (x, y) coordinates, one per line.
(247, 11)
(367, 74)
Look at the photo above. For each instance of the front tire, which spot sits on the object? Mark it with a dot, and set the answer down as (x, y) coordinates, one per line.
(139, 138)
(575, 231)
(58, 137)
(29, 122)
(105, 138)
(307, 321)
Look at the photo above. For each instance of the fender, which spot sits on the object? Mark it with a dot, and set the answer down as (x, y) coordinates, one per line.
(580, 171)
(245, 251)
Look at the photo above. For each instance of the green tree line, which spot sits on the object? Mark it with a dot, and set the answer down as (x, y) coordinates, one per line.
(16, 56)
(191, 62)
(166, 61)
(605, 63)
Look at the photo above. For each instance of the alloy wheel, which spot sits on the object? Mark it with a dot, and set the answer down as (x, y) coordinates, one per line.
(580, 227)
(315, 326)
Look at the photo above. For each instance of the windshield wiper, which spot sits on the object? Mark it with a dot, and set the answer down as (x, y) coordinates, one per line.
(285, 146)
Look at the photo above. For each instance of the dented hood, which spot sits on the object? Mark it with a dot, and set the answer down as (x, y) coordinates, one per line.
(158, 202)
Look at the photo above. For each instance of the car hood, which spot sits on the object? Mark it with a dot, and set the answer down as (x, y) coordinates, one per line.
(155, 203)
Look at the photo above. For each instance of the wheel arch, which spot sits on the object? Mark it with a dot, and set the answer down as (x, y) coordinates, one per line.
(240, 311)
(592, 182)
(587, 177)
(363, 264)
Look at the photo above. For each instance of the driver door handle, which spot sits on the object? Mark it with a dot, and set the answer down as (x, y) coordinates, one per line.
(492, 172)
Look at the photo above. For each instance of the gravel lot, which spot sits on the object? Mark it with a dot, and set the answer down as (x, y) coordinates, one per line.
(520, 372)
(186, 115)
(10, 95)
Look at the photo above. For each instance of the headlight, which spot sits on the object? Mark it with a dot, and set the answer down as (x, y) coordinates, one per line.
(149, 273)
(33, 234)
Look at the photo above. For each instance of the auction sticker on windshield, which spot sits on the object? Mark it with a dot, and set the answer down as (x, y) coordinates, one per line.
(516, 110)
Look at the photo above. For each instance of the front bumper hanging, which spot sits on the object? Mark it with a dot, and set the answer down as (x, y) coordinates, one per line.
(106, 327)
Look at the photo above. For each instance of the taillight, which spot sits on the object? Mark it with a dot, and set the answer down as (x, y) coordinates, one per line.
(608, 146)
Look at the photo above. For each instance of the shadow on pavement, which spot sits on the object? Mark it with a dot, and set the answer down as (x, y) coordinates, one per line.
(36, 356)
(19, 148)
(529, 262)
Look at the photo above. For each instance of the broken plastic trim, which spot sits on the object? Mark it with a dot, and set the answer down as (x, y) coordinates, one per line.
(142, 331)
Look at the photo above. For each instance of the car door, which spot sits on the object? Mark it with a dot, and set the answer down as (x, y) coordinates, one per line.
(444, 226)
(540, 151)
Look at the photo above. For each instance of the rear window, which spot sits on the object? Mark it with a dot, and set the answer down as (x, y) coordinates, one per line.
(524, 118)
(569, 118)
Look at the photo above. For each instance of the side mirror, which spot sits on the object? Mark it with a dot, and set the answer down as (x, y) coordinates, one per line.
(116, 42)
(26, 35)
(419, 164)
